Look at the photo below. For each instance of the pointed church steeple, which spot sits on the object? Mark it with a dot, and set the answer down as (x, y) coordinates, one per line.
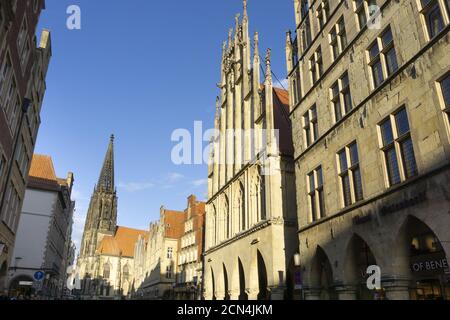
(106, 179)
(101, 217)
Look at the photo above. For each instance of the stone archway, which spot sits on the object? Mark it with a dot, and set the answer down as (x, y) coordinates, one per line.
(225, 283)
(213, 284)
(19, 285)
(263, 293)
(321, 276)
(242, 287)
(423, 260)
(359, 257)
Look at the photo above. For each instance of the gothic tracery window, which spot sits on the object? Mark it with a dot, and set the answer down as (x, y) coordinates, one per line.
(227, 217)
(242, 207)
(106, 271)
(126, 273)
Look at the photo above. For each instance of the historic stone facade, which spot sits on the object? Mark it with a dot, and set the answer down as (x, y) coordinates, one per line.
(251, 213)
(23, 68)
(156, 258)
(370, 95)
(106, 259)
(190, 252)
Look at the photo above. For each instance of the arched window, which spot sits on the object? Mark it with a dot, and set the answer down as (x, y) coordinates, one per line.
(126, 273)
(214, 226)
(304, 8)
(242, 207)
(226, 213)
(261, 198)
(106, 271)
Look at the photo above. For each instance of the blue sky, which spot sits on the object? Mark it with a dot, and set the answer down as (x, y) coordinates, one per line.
(140, 69)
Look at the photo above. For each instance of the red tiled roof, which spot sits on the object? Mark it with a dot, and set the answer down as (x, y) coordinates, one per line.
(122, 243)
(42, 168)
(42, 173)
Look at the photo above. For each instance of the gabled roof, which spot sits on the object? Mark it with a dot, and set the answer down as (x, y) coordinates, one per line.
(42, 168)
(283, 121)
(122, 243)
(42, 173)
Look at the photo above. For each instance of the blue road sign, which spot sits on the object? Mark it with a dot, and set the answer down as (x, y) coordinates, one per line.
(39, 275)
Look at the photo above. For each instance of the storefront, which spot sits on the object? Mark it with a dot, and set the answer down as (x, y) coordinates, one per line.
(430, 268)
(21, 286)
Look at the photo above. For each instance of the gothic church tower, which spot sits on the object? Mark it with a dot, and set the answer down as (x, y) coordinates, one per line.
(101, 218)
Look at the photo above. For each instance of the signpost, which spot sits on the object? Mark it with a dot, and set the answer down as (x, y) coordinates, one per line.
(38, 280)
(39, 275)
(298, 281)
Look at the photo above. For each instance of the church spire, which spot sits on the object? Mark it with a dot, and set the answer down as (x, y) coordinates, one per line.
(245, 9)
(106, 179)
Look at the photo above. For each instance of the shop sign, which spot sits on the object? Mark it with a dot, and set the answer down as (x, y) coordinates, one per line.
(429, 264)
(405, 204)
(361, 219)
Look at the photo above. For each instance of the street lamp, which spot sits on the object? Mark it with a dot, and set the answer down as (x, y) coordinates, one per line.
(298, 285)
(297, 259)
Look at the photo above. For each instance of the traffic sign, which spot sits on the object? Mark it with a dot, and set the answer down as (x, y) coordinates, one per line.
(39, 275)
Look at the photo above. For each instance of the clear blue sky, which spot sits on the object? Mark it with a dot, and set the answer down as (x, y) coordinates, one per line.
(140, 69)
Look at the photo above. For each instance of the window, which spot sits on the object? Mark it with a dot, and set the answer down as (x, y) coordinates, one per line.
(5, 74)
(304, 8)
(126, 273)
(35, 5)
(382, 58)
(310, 126)
(106, 271)
(445, 91)
(2, 19)
(169, 253)
(323, 12)
(389, 52)
(350, 174)
(25, 54)
(316, 195)
(341, 98)
(342, 33)
(432, 13)
(306, 34)
(22, 158)
(13, 113)
(12, 105)
(397, 146)
(2, 168)
(21, 37)
(316, 65)
(169, 272)
(11, 214)
(361, 12)
(296, 87)
(338, 38)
